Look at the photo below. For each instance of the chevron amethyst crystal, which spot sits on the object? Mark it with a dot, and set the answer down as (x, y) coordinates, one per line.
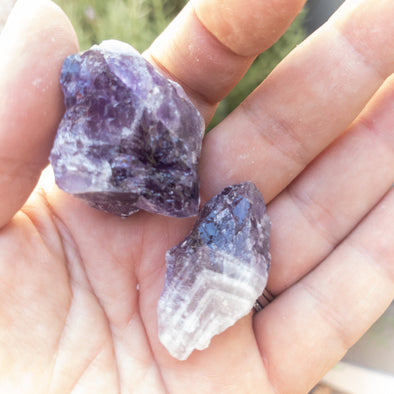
(130, 139)
(215, 275)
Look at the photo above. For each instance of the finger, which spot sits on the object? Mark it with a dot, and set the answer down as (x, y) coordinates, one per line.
(317, 320)
(34, 43)
(309, 99)
(330, 197)
(209, 46)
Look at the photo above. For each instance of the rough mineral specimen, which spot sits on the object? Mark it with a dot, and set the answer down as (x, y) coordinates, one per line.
(215, 275)
(130, 139)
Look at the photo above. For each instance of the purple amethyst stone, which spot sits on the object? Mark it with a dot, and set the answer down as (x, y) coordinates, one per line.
(130, 138)
(215, 275)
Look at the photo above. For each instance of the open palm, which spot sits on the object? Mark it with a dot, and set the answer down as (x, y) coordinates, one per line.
(79, 288)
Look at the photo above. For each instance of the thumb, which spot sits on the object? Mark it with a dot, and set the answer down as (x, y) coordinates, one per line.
(35, 41)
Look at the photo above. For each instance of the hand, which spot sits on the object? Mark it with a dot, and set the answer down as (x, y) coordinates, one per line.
(79, 287)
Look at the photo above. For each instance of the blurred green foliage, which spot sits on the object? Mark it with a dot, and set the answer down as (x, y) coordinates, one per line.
(139, 22)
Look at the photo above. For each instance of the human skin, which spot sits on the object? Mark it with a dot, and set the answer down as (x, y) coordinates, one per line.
(79, 287)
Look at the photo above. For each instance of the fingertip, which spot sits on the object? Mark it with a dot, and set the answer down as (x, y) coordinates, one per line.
(247, 30)
(210, 45)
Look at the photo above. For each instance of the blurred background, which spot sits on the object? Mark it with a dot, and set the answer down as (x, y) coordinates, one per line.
(368, 367)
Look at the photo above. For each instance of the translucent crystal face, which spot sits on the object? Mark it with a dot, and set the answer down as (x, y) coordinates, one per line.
(130, 139)
(215, 275)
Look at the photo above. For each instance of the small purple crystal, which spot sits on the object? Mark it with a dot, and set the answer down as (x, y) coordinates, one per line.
(215, 275)
(130, 138)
